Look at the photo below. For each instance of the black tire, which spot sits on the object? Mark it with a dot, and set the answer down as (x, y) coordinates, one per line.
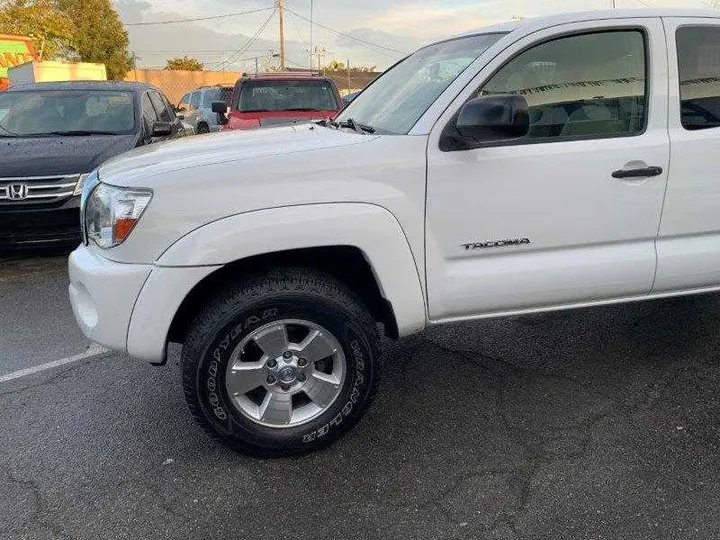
(241, 308)
(202, 129)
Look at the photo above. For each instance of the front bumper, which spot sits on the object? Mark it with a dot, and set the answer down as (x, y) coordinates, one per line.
(128, 307)
(42, 226)
(102, 295)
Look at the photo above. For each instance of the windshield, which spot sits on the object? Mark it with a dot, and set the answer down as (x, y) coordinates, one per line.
(396, 101)
(43, 112)
(216, 94)
(256, 96)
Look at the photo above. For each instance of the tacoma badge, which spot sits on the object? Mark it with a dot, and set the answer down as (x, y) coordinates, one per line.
(496, 243)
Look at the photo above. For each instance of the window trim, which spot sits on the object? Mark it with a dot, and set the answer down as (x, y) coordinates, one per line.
(449, 128)
(677, 56)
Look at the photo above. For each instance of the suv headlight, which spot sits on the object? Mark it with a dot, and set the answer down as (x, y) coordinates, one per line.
(110, 213)
(80, 183)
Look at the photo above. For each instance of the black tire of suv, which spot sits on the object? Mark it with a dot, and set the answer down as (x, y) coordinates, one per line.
(202, 129)
(288, 293)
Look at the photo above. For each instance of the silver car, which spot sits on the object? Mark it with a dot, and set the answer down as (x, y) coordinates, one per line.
(195, 108)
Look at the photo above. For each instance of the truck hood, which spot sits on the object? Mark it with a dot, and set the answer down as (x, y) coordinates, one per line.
(134, 168)
(39, 156)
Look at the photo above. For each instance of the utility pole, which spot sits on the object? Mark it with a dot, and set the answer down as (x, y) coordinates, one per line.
(348, 70)
(312, 24)
(134, 62)
(281, 13)
(257, 60)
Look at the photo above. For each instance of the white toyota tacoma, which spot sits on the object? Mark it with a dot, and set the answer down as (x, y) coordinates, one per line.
(546, 164)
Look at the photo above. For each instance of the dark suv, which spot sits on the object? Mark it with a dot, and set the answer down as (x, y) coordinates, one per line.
(52, 135)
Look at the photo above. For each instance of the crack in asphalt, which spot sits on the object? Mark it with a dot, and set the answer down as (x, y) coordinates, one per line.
(40, 511)
(520, 478)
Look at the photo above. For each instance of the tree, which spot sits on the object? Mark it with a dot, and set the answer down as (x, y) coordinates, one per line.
(184, 64)
(334, 66)
(51, 30)
(99, 35)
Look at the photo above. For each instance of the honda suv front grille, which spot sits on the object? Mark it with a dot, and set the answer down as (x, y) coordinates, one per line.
(33, 190)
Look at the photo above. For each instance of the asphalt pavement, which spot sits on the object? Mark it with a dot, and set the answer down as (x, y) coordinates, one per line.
(592, 424)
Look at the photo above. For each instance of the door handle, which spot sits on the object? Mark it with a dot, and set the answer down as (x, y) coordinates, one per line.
(638, 173)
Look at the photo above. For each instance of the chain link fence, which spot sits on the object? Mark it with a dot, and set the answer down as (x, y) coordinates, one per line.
(175, 84)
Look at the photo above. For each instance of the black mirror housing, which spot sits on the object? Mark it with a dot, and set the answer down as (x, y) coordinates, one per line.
(162, 129)
(219, 107)
(491, 119)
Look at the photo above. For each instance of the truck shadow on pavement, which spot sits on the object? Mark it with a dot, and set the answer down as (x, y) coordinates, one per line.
(600, 423)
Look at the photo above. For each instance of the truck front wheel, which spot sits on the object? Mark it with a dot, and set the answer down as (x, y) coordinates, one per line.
(282, 363)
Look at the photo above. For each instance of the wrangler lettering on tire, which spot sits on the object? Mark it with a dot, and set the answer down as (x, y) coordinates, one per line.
(281, 363)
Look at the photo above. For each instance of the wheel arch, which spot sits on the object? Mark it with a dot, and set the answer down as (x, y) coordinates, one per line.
(362, 245)
(347, 264)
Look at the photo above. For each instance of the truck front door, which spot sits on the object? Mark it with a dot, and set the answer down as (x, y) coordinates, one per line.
(541, 221)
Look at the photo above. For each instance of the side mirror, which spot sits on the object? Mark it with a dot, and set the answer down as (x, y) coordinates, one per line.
(219, 107)
(162, 129)
(491, 119)
(179, 109)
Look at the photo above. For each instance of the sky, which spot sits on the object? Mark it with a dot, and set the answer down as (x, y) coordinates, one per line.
(384, 30)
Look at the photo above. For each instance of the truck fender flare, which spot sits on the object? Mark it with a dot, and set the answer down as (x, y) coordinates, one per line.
(370, 228)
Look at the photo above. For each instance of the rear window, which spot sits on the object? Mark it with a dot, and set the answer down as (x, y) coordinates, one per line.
(260, 96)
(216, 94)
(698, 51)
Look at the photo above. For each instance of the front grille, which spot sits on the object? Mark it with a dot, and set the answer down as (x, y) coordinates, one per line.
(39, 226)
(34, 190)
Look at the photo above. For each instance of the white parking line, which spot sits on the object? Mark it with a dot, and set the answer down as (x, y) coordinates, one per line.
(93, 350)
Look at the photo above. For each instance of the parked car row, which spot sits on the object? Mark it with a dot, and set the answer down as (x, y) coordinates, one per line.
(54, 134)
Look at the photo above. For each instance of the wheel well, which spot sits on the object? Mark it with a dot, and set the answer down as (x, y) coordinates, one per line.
(346, 263)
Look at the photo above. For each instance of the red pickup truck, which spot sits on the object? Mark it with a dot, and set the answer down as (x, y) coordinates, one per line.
(272, 99)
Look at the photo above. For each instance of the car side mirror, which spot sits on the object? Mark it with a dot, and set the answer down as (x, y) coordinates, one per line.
(162, 129)
(490, 119)
(219, 107)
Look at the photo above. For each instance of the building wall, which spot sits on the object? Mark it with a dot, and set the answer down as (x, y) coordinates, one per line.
(176, 84)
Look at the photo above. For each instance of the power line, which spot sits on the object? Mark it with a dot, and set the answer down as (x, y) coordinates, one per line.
(196, 19)
(249, 42)
(360, 40)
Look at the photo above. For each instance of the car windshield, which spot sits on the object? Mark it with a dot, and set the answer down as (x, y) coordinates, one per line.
(216, 94)
(256, 96)
(45, 112)
(395, 102)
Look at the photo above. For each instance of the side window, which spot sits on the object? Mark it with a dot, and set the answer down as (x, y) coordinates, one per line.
(148, 113)
(185, 101)
(168, 107)
(589, 85)
(195, 100)
(162, 110)
(699, 66)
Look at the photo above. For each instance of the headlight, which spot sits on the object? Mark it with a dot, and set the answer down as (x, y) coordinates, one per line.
(111, 213)
(80, 183)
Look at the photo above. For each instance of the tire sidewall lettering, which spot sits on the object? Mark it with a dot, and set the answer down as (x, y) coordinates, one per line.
(217, 402)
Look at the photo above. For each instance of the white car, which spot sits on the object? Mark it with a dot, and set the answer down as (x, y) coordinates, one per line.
(547, 164)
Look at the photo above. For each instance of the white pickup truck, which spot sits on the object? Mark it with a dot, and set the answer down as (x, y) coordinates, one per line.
(547, 164)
